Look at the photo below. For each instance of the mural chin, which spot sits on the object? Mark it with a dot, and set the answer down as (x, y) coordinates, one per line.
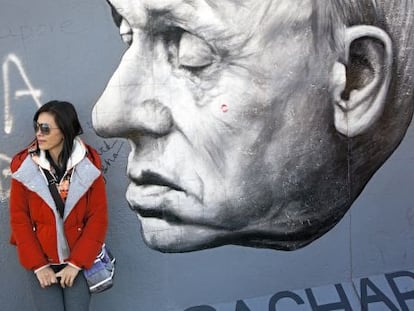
(172, 236)
(169, 237)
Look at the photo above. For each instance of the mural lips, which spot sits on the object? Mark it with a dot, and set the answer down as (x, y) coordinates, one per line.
(154, 195)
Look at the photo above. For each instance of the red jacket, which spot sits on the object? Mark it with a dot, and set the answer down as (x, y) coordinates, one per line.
(37, 228)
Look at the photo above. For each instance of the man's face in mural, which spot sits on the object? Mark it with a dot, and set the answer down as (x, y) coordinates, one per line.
(228, 110)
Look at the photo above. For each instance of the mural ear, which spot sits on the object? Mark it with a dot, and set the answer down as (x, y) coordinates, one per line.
(360, 86)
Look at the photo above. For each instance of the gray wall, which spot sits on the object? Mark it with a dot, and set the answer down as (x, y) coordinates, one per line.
(68, 50)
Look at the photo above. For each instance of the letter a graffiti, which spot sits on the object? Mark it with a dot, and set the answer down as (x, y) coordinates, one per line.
(30, 91)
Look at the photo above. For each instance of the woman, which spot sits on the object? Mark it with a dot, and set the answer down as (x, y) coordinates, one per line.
(56, 245)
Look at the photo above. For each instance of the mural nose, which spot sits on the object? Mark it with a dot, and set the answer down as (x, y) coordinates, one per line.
(150, 117)
(100, 122)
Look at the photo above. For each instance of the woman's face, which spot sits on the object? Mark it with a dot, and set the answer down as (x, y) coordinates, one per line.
(51, 137)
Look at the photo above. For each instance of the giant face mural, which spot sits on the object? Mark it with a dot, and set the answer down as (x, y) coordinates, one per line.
(255, 123)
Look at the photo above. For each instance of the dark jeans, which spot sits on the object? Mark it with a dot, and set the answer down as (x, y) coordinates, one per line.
(56, 298)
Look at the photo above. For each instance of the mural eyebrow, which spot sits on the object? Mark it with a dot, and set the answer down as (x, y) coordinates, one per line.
(116, 17)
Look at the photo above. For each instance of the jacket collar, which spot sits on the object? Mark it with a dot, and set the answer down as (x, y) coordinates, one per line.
(84, 174)
(78, 153)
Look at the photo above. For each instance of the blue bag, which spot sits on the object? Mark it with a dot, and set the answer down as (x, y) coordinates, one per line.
(100, 276)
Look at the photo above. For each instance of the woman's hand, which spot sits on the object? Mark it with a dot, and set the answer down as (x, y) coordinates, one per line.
(67, 276)
(46, 277)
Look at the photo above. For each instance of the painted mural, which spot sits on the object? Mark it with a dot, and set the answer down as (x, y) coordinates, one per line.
(233, 129)
(255, 123)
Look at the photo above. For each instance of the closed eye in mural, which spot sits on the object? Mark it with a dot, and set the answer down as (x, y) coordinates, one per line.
(255, 123)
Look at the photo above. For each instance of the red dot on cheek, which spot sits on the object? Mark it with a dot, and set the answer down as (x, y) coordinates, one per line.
(224, 108)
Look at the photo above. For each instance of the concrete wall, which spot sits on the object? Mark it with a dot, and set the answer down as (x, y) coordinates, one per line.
(68, 50)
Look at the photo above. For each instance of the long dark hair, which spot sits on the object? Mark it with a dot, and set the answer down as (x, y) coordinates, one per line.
(66, 119)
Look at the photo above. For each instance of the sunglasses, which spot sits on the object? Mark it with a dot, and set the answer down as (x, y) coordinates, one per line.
(43, 127)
